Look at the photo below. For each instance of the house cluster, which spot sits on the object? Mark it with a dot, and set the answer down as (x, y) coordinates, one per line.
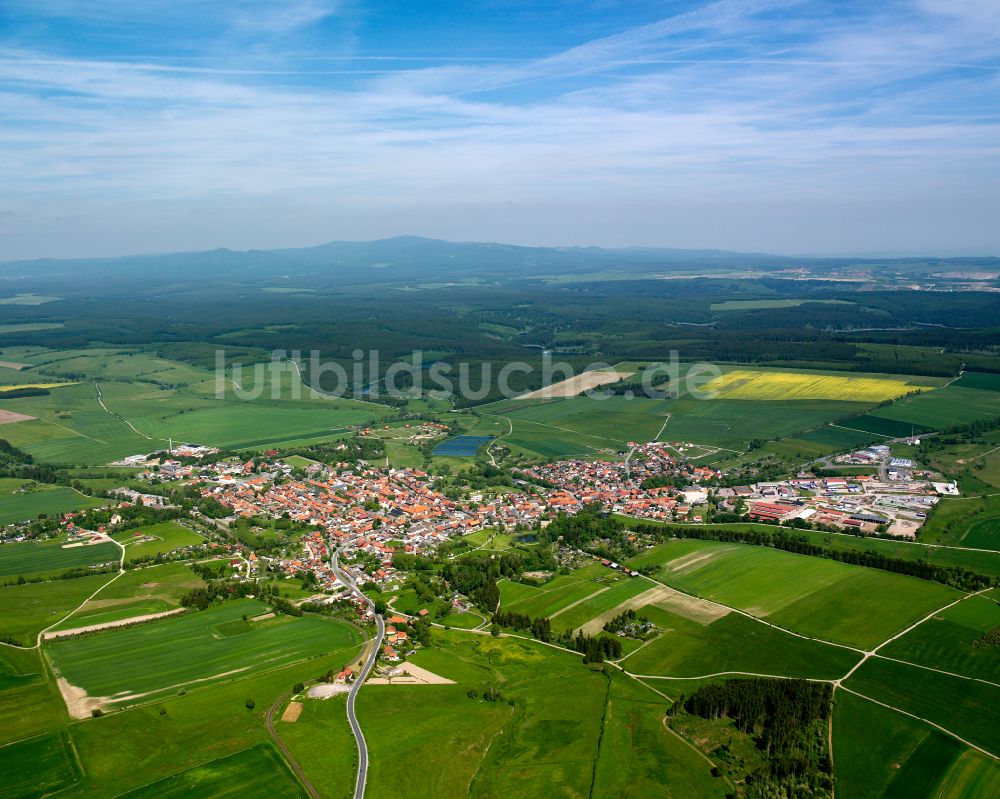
(362, 509)
(147, 500)
(618, 485)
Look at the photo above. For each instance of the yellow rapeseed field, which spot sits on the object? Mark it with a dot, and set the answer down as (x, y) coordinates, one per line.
(16, 386)
(748, 384)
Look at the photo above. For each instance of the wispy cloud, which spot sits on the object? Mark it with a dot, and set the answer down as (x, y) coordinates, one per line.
(767, 125)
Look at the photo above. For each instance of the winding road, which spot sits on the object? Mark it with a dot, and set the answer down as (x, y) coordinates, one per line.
(359, 680)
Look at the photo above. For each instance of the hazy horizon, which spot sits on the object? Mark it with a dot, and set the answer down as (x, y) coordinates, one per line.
(309, 245)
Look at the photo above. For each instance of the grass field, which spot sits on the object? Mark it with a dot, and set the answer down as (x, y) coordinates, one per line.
(208, 723)
(197, 647)
(298, 462)
(51, 557)
(752, 384)
(465, 621)
(149, 590)
(37, 767)
(972, 775)
(686, 648)
(983, 562)
(324, 747)
(945, 642)
(874, 747)
(971, 521)
(169, 536)
(29, 705)
(871, 744)
(535, 747)
(572, 618)
(25, 610)
(555, 595)
(71, 426)
(961, 402)
(257, 772)
(817, 597)
(969, 709)
(582, 426)
(23, 500)
(638, 757)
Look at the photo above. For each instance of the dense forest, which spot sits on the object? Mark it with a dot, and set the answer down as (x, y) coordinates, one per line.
(506, 304)
(786, 719)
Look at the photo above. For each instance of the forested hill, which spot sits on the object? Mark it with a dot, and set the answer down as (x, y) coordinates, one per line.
(414, 259)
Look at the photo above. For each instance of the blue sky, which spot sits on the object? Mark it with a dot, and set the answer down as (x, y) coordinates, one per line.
(767, 125)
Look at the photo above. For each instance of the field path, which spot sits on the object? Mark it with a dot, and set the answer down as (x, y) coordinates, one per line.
(100, 399)
(41, 634)
(925, 721)
(510, 429)
(580, 601)
(563, 429)
(285, 751)
(108, 625)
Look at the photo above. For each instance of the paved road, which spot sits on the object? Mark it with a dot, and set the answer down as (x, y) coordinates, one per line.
(359, 736)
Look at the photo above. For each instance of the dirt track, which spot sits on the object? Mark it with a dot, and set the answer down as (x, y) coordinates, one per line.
(697, 610)
(111, 624)
(412, 675)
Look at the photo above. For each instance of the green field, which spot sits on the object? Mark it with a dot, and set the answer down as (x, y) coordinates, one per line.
(639, 757)
(967, 708)
(945, 641)
(47, 557)
(148, 590)
(169, 536)
(962, 402)
(585, 426)
(571, 731)
(625, 588)
(298, 462)
(197, 647)
(968, 521)
(35, 499)
(25, 610)
(735, 643)
(181, 732)
(322, 743)
(72, 427)
(817, 597)
(880, 753)
(29, 705)
(38, 767)
(987, 563)
(257, 772)
(557, 593)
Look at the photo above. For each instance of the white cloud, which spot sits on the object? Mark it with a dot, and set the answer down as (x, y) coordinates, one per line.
(736, 106)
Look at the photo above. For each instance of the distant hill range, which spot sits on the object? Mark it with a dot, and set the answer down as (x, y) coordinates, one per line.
(405, 259)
